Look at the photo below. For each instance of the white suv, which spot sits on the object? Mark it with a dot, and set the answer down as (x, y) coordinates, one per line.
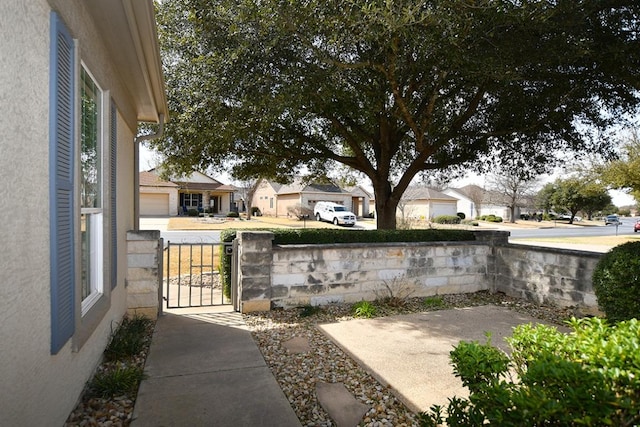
(335, 213)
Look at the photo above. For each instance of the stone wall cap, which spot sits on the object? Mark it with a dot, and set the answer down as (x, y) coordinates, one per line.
(255, 235)
(143, 235)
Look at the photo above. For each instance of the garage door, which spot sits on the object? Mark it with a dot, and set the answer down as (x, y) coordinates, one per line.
(154, 204)
(443, 209)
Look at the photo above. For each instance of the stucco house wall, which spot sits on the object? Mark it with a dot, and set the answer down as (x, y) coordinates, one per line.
(41, 385)
(264, 198)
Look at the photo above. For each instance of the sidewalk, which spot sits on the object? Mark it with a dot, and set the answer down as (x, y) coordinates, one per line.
(204, 369)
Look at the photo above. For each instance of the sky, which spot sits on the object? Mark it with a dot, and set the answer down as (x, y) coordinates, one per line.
(148, 161)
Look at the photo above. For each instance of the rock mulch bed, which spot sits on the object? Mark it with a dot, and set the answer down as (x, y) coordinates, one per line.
(298, 373)
(114, 411)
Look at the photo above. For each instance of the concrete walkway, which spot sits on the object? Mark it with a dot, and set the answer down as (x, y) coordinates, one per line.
(204, 369)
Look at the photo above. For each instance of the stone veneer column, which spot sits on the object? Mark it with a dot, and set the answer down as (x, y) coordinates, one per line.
(255, 257)
(144, 272)
(493, 239)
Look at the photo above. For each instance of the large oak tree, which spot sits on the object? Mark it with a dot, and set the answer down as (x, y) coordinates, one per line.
(392, 89)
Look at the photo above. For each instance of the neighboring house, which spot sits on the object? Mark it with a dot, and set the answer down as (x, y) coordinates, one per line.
(475, 201)
(76, 79)
(360, 201)
(424, 203)
(157, 197)
(179, 195)
(275, 199)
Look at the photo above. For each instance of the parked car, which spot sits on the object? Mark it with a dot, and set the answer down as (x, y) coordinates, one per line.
(636, 226)
(568, 217)
(612, 219)
(333, 212)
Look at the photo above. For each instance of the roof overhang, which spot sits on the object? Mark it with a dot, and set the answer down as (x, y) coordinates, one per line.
(128, 28)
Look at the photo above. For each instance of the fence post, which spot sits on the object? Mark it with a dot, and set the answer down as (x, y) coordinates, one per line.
(255, 255)
(144, 274)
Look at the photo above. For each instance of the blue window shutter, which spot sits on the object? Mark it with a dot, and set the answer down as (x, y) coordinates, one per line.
(61, 193)
(112, 180)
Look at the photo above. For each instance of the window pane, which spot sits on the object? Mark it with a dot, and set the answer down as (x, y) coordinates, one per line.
(85, 261)
(90, 143)
(91, 228)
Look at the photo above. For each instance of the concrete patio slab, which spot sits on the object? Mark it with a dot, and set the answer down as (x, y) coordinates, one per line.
(410, 353)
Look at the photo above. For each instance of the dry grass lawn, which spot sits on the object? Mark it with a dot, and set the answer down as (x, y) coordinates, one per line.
(206, 259)
(597, 240)
(195, 223)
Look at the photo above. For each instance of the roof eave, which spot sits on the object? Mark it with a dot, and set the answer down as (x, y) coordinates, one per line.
(129, 30)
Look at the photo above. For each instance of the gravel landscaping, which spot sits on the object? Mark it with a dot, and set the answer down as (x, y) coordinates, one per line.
(298, 373)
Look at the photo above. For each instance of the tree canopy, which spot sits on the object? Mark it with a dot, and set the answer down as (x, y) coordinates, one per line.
(574, 194)
(392, 89)
(624, 172)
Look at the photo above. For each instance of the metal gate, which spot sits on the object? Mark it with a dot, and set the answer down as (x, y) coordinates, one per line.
(191, 277)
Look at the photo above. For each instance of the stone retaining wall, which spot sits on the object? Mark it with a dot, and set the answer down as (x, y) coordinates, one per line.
(295, 275)
(322, 274)
(546, 275)
(288, 276)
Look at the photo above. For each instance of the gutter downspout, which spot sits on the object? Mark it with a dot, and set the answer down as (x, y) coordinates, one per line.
(136, 165)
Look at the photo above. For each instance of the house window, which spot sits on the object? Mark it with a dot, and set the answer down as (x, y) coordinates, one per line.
(192, 200)
(80, 153)
(91, 228)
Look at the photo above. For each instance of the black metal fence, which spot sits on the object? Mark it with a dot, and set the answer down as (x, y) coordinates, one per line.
(191, 277)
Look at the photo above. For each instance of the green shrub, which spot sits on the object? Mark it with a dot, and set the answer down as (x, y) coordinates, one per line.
(363, 309)
(233, 215)
(470, 222)
(616, 282)
(193, 212)
(128, 339)
(226, 236)
(447, 219)
(116, 382)
(434, 302)
(491, 218)
(589, 377)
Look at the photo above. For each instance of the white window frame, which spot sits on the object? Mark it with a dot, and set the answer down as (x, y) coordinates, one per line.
(95, 216)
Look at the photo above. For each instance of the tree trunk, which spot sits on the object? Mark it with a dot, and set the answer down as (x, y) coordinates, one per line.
(248, 205)
(386, 206)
